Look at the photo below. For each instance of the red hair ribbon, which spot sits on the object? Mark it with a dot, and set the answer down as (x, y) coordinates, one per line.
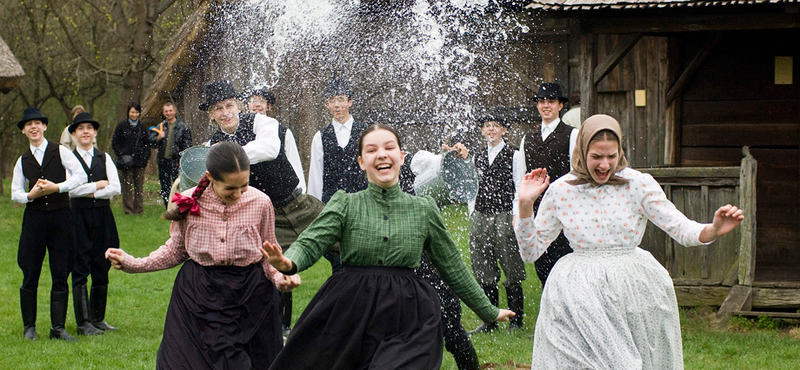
(185, 203)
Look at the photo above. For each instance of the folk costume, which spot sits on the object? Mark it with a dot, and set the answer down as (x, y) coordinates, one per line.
(131, 145)
(377, 313)
(224, 310)
(491, 236)
(95, 231)
(47, 227)
(609, 304)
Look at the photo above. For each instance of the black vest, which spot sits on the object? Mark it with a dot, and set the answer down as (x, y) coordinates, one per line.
(51, 169)
(496, 181)
(552, 153)
(96, 171)
(340, 168)
(275, 178)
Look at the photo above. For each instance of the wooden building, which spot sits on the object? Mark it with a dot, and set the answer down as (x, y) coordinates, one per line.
(704, 90)
(11, 72)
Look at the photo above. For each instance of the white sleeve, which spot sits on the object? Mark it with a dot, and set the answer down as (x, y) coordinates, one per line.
(267, 144)
(76, 176)
(573, 139)
(293, 155)
(18, 193)
(315, 167)
(517, 173)
(423, 160)
(114, 187)
(535, 233)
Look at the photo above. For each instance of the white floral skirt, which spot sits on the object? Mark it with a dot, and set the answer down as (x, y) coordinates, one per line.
(608, 310)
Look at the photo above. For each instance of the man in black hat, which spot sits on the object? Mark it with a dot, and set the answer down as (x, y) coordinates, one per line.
(171, 137)
(48, 171)
(95, 227)
(549, 145)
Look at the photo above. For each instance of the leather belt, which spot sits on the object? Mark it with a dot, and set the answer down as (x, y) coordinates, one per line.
(295, 193)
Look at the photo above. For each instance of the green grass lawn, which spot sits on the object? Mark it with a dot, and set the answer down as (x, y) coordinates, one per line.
(138, 303)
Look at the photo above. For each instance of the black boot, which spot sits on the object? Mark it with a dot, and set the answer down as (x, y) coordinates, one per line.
(286, 300)
(97, 308)
(493, 294)
(27, 303)
(58, 316)
(80, 299)
(516, 304)
(467, 359)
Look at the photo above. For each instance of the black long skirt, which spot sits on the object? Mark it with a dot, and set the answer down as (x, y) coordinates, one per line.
(221, 317)
(367, 318)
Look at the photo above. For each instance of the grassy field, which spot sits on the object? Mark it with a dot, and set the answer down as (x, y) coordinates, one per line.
(138, 303)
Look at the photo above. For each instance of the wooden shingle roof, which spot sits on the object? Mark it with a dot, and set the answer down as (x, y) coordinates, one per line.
(11, 72)
(641, 4)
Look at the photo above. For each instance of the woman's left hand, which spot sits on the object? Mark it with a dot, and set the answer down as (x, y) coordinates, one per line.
(726, 218)
(504, 315)
(274, 254)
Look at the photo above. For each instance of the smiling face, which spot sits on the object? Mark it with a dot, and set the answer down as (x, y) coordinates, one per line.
(84, 134)
(257, 104)
(133, 114)
(602, 159)
(381, 158)
(226, 114)
(493, 132)
(230, 186)
(339, 106)
(549, 109)
(34, 130)
(169, 112)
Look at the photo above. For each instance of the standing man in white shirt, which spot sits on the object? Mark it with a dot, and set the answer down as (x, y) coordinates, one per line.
(334, 153)
(549, 145)
(48, 171)
(95, 227)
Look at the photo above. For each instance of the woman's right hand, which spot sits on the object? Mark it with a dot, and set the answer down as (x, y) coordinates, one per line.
(504, 315)
(532, 186)
(274, 254)
(117, 257)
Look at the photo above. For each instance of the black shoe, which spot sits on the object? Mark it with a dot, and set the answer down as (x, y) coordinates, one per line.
(484, 328)
(88, 329)
(512, 327)
(30, 332)
(61, 333)
(102, 325)
(286, 331)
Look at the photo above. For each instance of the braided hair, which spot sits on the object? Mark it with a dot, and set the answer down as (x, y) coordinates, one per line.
(224, 158)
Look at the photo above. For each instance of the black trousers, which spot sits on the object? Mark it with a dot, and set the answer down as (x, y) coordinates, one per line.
(455, 336)
(95, 231)
(168, 171)
(51, 232)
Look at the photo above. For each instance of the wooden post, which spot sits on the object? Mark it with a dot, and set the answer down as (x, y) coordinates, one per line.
(747, 202)
(588, 87)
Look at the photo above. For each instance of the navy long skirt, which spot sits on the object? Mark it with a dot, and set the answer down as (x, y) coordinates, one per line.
(368, 318)
(221, 317)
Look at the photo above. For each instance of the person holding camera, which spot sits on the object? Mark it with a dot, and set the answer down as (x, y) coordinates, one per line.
(131, 145)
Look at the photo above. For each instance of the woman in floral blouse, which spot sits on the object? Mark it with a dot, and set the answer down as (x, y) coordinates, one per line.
(377, 314)
(610, 304)
(224, 310)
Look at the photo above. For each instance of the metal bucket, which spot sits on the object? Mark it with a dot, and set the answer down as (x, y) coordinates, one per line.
(193, 166)
(453, 181)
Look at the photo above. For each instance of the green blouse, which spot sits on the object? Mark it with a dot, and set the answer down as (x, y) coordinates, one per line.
(388, 227)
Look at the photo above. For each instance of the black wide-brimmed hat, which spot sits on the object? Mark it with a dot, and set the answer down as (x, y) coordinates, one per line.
(30, 114)
(492, 116)
(82, 118)
(263, 92)
(217, 92)
(338, 87)
(550, 90)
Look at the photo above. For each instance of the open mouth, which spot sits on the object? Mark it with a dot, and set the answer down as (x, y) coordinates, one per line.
(383, 167)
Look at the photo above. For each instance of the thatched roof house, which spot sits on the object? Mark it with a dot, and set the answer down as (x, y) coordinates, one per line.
(11, 72)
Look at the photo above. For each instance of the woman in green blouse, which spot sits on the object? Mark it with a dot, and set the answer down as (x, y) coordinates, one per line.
(377, 313)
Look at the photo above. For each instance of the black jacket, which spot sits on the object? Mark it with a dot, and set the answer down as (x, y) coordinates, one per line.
(183, 139)
(128, 139)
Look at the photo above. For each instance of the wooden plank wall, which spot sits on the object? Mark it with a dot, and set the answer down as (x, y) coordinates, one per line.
(732, 101)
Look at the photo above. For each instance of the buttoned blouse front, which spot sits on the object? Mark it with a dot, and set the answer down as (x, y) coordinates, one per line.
(387, 227)
(606, 217)
(221, 235)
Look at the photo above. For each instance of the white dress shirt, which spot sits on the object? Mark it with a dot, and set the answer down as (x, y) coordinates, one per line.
(107, 192)
(520, 166)
(74, 171)
(315, 169)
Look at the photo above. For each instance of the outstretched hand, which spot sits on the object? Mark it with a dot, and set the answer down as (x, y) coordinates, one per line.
(532, 186)
(274, 254)
(460, 149)
(726, 218)
(117, 257)
(504, 315)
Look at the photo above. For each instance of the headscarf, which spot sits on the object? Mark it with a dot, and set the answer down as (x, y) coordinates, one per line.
(589, 129)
